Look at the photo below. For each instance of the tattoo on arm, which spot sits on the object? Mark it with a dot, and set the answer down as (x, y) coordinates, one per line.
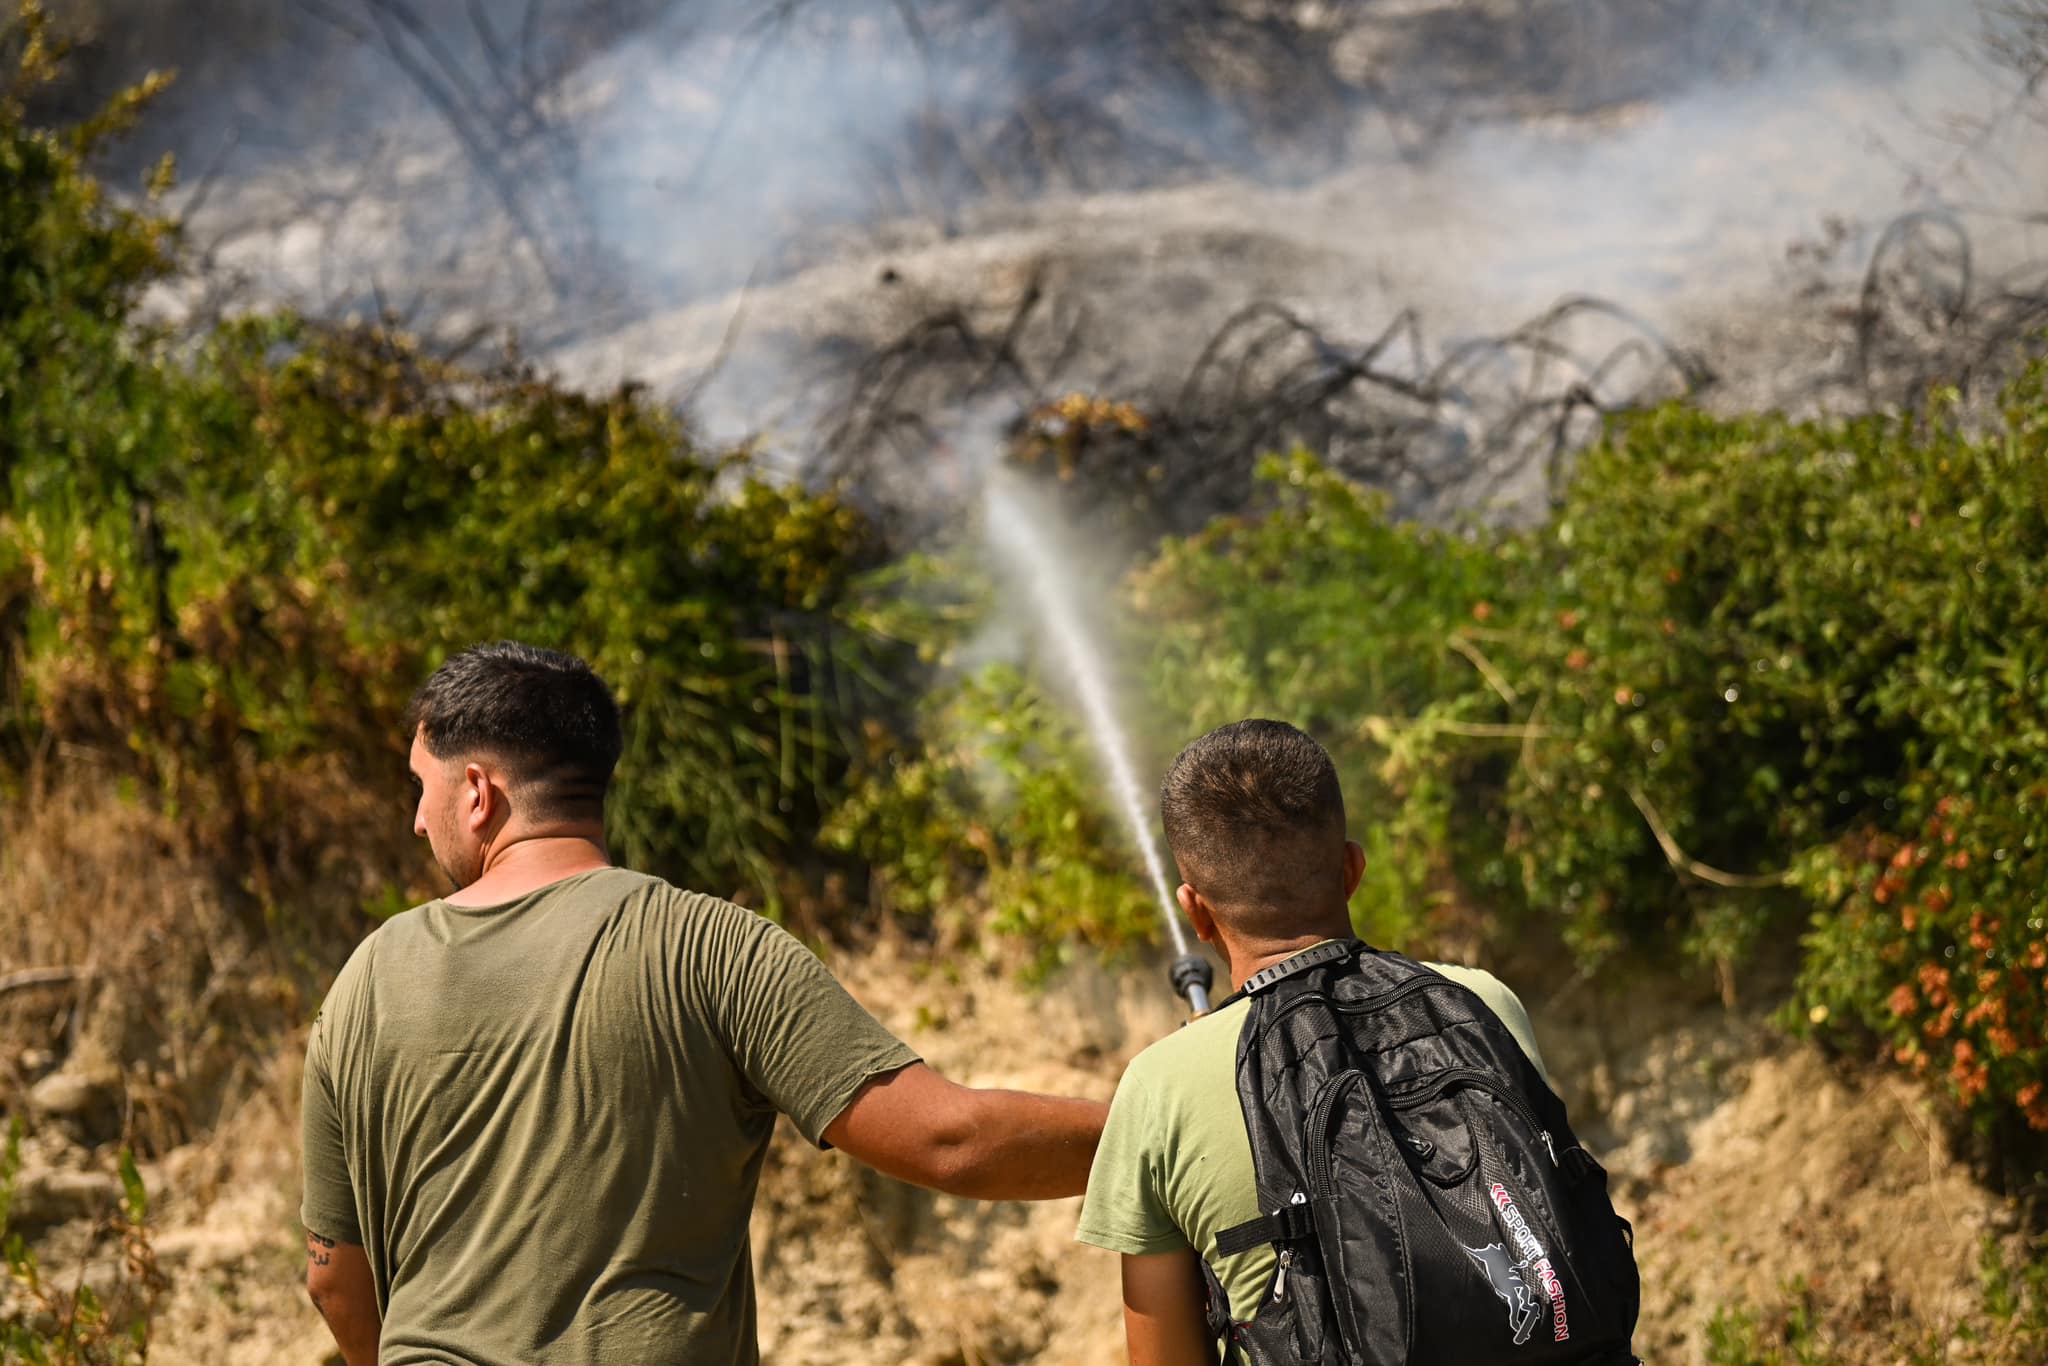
(319, 1250)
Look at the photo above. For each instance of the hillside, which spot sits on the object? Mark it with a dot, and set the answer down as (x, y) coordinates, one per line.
(1684, 655)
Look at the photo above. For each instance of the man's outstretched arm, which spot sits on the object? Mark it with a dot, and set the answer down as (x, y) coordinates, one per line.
(338, 1278)
(916, 1126)
(1164, 1323)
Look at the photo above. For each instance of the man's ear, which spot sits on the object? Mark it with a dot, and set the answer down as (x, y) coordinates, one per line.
(479, 797)
(1354, 866)
(1196, 907)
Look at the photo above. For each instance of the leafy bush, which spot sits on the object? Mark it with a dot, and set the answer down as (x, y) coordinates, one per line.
(224, 562)
(448, 506)
(1003, 803)
(1751, 666)
(998, 803)
(1367, 633)
(1755, 673)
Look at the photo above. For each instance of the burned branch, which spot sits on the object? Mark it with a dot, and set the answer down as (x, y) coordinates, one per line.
(1484, 423)
(1489, 418)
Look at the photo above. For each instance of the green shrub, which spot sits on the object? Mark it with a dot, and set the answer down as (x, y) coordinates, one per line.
(1369, 633)
(451, 506)
(1002, 804)
(224, 562)
(1756, 673)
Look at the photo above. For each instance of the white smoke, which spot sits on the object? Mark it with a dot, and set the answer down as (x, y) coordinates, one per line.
(747, 202)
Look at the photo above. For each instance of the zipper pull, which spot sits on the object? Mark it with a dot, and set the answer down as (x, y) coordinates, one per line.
(1280, 1276)
(1549, 1147)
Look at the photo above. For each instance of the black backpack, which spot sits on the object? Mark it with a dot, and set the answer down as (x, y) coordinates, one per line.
(1429, 1202)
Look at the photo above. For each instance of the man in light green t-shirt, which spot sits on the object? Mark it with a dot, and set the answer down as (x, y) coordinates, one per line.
(1255, 818)
(535, 1109)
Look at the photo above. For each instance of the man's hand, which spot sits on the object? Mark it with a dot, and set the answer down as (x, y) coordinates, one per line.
(338, 1278)
(918, 1127)
(1163, 1318)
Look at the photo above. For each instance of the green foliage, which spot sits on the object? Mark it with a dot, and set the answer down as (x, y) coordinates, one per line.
(454, 506)
(1004, 801)
(1789, 1336)
(2006, 1326)
(224, 563)
(47, 1325)
(1753, 669)
(1939, 936)
(1755, 672)
(2014, 1296)
(1364, 631)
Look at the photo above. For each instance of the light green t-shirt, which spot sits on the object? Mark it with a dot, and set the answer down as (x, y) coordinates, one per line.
(544, 1121)
(1174, 1168)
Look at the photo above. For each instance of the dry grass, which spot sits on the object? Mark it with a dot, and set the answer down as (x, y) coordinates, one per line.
(126, 950)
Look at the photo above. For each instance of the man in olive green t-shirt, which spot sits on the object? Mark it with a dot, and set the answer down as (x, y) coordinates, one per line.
(535, 1110)
(1255, 818)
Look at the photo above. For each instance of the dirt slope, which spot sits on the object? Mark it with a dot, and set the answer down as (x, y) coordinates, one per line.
(1745, 1161)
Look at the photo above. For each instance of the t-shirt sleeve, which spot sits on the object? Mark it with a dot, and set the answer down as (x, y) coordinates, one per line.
(329, 1204)
(1124, 1209)
(796, 1035)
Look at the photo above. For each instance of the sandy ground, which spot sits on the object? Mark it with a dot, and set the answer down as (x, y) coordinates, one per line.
(1745, 1161)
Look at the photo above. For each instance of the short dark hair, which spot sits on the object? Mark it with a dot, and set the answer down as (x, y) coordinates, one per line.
(545, 715)
(1255, 817)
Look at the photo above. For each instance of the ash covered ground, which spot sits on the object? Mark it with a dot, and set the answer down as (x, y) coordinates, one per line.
(1433, 241)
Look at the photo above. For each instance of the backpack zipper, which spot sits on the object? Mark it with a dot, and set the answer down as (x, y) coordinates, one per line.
(1322, 1155)
(1428, 981)
(1480, 1081)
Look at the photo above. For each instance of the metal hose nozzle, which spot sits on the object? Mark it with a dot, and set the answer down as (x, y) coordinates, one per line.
(1192, 977)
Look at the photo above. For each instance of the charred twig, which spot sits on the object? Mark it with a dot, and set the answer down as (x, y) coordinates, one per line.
(726, 341)
(1488, 410)
(397, 30)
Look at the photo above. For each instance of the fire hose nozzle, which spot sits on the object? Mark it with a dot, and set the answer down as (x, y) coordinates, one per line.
(1192, 977)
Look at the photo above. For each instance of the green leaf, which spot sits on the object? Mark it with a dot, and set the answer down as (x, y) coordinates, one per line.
(134, 1198)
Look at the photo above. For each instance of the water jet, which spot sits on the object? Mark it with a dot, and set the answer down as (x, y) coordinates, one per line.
(1032, 560)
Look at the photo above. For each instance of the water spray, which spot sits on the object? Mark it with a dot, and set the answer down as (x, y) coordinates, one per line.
(1038, 566)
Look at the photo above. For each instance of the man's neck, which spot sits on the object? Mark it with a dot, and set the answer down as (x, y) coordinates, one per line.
(529, 864)
(1256, 956)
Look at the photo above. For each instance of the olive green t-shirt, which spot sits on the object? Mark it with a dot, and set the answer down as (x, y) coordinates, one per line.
(1174, 1168)
(544, 1121)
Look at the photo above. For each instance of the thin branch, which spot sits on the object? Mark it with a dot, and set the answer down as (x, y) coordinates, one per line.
(726, 341)
(1493, 676)
(1528, 759)
(1380, 728)
(42, 977)
(444, 91)
(1487, 730)
(1677, 858)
